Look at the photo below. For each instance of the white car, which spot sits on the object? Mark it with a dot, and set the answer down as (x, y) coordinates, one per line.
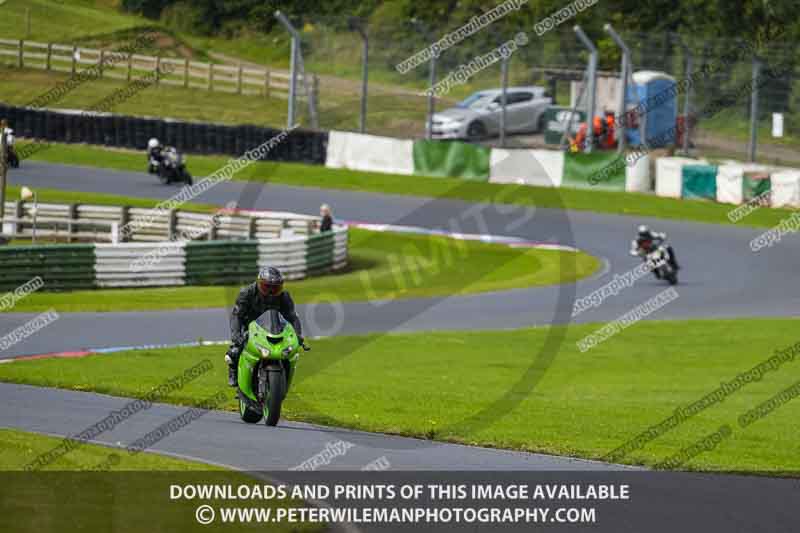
(478, 116)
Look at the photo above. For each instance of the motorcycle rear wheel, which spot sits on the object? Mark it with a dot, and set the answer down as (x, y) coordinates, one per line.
(277, 391)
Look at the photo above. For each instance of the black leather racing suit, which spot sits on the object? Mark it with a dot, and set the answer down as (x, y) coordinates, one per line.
(250, 304)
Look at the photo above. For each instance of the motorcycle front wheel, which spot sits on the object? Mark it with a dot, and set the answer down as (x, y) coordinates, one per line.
(162, 177)
(249, 415)
(277, 390)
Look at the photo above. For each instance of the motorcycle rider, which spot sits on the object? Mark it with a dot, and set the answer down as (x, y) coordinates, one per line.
(646, 241)
(11, 152)
(154, 149)
(266, 293)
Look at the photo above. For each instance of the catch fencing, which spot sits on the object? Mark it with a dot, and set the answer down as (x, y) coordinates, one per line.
(237, 79)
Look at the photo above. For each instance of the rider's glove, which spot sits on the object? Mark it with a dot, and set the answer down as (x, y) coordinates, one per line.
(301, 339)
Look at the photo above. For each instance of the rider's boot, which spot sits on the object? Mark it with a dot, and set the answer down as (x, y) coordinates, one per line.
(233, 373)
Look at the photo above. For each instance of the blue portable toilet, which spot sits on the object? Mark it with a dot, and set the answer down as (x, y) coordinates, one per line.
(654, 94)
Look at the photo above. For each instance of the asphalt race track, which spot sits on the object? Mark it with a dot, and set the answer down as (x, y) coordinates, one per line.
(721, 277)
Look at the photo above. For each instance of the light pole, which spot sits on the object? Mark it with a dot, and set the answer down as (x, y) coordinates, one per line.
(422, 29)
(3, 169)
(26, 194)
(357, 25)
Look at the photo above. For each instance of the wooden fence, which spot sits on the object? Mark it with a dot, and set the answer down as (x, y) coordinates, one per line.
(237, 79)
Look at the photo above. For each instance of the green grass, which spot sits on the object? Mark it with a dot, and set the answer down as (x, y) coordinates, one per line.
(47, 195)
(21, 86)
(63, 21)
(428, 385)
(382, 266)
(18, 448)
(317, 176)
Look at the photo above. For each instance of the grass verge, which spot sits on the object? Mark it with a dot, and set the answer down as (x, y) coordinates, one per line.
(382, 266)
(586, 404)
(47, 195)
(599, 201)
(18, 448)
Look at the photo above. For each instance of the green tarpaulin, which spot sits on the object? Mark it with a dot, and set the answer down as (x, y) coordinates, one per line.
(756, 184)
(700, 182)
(451, 159)
(597, 170)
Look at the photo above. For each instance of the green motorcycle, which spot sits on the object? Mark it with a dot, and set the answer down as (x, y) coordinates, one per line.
(266, 367)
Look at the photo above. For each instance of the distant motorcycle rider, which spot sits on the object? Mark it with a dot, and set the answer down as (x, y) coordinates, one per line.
(647, 241)
(266, 293)
(154, 157)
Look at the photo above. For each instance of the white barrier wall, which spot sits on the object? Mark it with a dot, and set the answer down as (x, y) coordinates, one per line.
(669, 175)
(637, 175)
(356, 151)
(730, 177)
(543, 168)
(729, 183)
(785, 188)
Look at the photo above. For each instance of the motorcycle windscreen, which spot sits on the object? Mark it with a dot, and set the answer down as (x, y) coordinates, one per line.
(272, 321)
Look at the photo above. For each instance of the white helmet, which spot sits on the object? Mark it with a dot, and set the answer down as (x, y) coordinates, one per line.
(152, 143)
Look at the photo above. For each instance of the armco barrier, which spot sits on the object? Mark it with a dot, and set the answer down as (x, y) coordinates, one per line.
(86, 266)
(221, 262)
(83, 222)
(64, 126)
(140, 264)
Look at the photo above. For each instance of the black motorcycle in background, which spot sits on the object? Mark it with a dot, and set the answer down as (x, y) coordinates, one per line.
(169, 165)
(11, 156)
(11, 152)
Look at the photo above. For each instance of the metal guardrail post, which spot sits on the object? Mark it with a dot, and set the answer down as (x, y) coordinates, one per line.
(622, 123)
(3, 170)
(751, 149)
(358, 25)
(290, 120)
(503, 100)
(172, 225)
(592, 74)
(687, 102)
(72, 213)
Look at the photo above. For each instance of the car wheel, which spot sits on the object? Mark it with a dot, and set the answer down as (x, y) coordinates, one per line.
(476, 130)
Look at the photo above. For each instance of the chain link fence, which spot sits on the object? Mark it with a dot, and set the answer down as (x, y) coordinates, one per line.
(396, 103)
